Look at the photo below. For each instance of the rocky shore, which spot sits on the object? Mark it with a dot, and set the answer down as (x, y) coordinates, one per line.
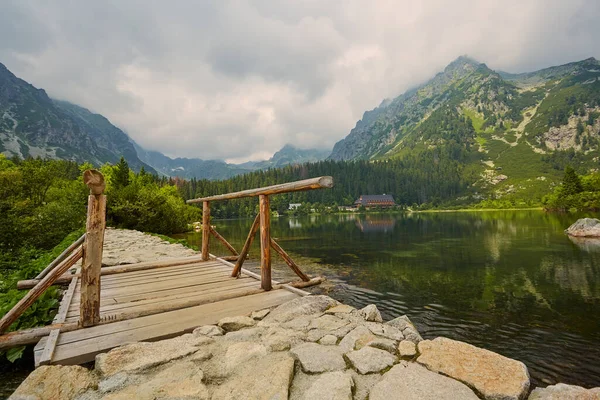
(309, 348)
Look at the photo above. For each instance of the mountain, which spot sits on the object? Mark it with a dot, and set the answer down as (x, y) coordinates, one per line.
(507, 132)
(33, 124)
(217, 169)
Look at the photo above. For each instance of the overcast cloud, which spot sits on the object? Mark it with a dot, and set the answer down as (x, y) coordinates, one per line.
(239, 79)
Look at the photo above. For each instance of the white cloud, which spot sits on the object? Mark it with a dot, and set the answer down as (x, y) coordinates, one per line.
(239, 79)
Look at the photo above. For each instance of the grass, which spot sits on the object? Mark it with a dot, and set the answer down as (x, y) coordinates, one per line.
(476, 120)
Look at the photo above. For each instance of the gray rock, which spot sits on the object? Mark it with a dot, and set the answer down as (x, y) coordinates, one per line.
(259, 315)
(407, 349)
(267, 378)
(341, 309)
(318, 358)
(328, 340)
(55, 382)
(371, 313)
(229, 324)
(369, 359)
(401, 323)
(315, 335)
(143, 355)
(300, 306)
(245, 335)
(564, 392)
(585, 227)
(412, 335)
(478, 368)
(386, 331)
(239, 353)
(331, 386)
(384, 344)
(208, 330)
(280, 339)
(201, 355)
(363, 384)
(356, 338)
(327, 323)
(410, 381)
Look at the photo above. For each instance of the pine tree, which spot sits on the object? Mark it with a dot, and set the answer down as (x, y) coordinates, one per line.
(121, 175)
(571, 183)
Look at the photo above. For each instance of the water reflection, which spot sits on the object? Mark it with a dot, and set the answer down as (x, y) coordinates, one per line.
(509, 281)
(586, 244)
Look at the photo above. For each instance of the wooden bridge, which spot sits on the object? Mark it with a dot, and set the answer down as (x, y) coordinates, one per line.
(107, 307)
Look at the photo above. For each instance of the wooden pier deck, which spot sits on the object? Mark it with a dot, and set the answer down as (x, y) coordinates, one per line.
(206, 282)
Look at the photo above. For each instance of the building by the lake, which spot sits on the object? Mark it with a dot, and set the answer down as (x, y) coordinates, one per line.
(375, 200)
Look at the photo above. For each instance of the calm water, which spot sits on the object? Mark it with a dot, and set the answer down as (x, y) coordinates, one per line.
(508, 281)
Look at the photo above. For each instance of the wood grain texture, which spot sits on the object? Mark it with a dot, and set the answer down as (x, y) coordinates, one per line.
(307, 184)
(92, 260)
(265, 242)
(49, 348)
(246, 248)
(205, 229)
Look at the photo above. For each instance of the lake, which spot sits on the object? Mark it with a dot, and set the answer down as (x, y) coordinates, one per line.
(508, 281)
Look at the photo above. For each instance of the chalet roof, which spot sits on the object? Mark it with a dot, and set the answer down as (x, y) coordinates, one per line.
(366, 198)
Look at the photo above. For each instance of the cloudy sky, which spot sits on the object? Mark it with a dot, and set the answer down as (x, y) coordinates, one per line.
(239, 79)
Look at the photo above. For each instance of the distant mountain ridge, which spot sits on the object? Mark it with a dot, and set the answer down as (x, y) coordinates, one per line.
(33, 124)
(528, 126)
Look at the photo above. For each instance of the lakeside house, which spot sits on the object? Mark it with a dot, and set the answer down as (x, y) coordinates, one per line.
(376, 200)
(293, 206)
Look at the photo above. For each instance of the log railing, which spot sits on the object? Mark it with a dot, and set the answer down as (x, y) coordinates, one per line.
(88, 247)
(262, 221)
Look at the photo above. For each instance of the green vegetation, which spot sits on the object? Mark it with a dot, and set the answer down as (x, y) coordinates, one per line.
(42, 211)
(575, 192)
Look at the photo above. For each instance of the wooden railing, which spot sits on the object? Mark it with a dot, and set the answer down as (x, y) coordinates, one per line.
(262, 220)
(89, 248)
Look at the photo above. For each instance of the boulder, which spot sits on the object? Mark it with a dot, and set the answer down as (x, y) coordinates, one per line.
(585, 227)
(387, 331)
(410, 381)
(260, 314)
(56, 382)
(301, 306)
(328, 340)
(280, 339)
(492, 375)
(267, 378)
(341, 309)
(327, 323)
(369, 359)
(371, 313)
(239, 353)
(208, 330)
(407, 328)
(143, 355)
(564, 392)
(229, 324)
(356, 338)
(314, 357)
(407, 349)
(245, 335)
(331, 386)
(384, 344)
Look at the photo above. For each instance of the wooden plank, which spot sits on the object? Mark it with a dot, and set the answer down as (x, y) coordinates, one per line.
(61, 257)
(61, 315)
(288, 260)
(166, 270)
(222, 240)
(205, 229)
(92, 260)
(166, 304)
(37, 291)
(113, 303)
(82, 346)
(38, 350)
(307, 184)
(265, 241)
(118, 269)
(46, 357)
(240, 261)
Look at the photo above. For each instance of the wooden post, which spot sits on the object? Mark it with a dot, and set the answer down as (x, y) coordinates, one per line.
(205, 229)
(265, 242)
(288, 260)
(242, 257)
(89, 309)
